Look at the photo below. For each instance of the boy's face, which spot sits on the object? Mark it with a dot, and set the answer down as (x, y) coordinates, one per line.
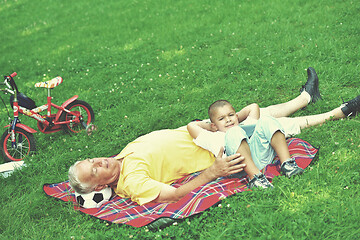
(224, 118)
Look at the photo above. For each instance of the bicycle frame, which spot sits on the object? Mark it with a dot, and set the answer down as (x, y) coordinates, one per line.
(43, 121)
(55, 124)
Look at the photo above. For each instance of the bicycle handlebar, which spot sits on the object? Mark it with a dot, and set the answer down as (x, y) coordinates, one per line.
(10, 80)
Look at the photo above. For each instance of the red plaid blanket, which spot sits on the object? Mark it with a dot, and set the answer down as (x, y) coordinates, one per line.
(124, 211)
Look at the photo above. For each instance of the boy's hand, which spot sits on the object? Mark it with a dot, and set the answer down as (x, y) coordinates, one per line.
(228, 165)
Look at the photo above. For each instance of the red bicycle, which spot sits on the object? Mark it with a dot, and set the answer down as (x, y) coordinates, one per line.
(18, 141)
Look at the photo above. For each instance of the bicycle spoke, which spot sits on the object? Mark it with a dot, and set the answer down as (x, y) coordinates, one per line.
(79, 117)
(19, 153)
(21, 147)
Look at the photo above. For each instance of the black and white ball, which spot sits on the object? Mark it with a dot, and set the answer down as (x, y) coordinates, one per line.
(93, 199)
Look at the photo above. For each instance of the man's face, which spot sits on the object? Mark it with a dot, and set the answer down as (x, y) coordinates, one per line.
(225, 118)
(99, 171)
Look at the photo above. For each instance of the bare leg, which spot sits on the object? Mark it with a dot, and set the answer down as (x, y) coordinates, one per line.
(280, 146)
(309, 93)
(312, 120)
(287, 108)
(288, 165)
(250, 168)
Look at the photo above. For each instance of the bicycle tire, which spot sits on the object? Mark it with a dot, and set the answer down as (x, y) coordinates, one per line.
(26, 144)
(87, 116)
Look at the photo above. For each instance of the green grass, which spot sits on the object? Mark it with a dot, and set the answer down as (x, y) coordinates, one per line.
(147, 65)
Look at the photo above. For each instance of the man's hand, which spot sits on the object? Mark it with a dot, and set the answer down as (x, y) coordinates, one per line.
(225, 166)
(221, 167)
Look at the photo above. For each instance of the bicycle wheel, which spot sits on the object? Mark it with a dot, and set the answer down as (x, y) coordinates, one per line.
(25, 144)
(78, 123)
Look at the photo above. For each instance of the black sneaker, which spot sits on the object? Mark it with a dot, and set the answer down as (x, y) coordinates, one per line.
(260, 180)
(351, 108)
(290, 168)
(312, 85)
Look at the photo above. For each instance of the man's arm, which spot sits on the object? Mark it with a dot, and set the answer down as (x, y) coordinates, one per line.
(220, 168)
(252, 111)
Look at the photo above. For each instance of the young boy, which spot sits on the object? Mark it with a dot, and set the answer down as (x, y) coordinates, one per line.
(258, 143)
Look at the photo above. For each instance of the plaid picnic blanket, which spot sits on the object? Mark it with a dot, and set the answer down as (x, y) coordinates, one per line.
(124, 211)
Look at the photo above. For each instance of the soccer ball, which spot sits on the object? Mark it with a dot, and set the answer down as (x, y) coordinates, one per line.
(94, 199)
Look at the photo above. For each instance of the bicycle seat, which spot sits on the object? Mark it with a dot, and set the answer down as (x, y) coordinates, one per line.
(51, 83)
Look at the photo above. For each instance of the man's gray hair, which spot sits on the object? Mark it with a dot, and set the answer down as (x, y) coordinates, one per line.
(75, 183)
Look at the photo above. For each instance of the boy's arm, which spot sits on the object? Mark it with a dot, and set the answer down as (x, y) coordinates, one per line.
(195, 128)
(220, 168)
(252, 111)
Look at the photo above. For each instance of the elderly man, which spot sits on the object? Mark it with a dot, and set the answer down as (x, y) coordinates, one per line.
(145, 168)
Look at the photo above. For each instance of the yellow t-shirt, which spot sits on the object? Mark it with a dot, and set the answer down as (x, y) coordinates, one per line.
(158, 158)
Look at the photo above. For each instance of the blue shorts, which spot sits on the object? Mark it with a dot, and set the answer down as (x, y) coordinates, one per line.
(262, 152)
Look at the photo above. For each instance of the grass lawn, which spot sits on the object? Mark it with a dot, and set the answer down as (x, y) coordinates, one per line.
(147, 65)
